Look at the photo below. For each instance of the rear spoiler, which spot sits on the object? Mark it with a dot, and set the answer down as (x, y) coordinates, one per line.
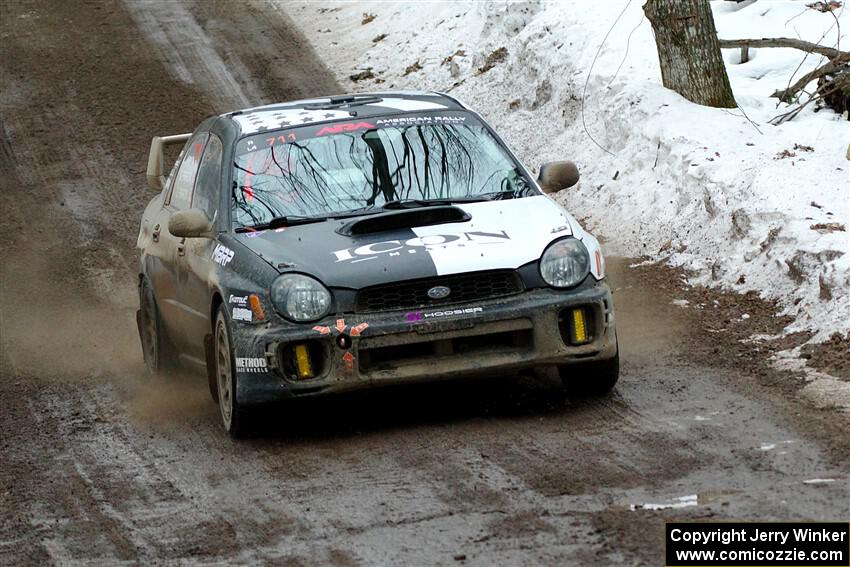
(156, 174)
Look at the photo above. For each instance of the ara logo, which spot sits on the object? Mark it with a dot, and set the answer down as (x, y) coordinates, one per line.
(426, 243)
(340, 128)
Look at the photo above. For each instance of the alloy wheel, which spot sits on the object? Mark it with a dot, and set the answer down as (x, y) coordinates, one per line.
(224, 371)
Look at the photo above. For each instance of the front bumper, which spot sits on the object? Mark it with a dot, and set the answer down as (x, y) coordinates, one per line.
(354, 351)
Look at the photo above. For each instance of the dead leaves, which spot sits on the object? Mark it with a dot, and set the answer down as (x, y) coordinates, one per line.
(824, 6)
(826, 227)
(416, 66)
(493, 59)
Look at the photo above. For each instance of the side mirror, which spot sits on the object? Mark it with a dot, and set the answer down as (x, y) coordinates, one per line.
(557, 175)
(192, 223)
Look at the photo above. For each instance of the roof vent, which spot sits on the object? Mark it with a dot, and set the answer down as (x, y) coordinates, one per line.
(345, 101)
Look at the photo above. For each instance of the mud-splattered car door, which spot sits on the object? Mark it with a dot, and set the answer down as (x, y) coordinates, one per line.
(195, 258)
(169, 290)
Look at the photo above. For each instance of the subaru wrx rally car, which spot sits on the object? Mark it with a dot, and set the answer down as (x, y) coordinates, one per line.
(347, 242)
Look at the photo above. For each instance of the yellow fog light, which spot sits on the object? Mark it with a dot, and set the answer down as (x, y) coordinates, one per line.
(579, 327)
(302, 361)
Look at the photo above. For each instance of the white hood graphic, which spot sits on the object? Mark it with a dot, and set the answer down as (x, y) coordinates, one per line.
(501, 234)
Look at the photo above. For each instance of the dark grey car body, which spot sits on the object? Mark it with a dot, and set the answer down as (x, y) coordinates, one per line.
(386, 323)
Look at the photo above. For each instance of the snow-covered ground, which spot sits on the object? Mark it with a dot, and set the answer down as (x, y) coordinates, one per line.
(741, 203)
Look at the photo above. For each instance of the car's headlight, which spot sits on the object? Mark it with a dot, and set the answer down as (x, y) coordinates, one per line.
(565, 263)
(300, 298)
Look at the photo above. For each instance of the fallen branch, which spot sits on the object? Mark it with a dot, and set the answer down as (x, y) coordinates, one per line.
(787, 95)
(782, 42)
(791, 114)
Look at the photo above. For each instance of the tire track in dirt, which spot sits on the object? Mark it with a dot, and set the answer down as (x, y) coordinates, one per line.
(259, 42)
(187, 51)
(239, 54)
(73, 146)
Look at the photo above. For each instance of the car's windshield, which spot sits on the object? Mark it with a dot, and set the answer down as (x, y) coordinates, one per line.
(361, 164)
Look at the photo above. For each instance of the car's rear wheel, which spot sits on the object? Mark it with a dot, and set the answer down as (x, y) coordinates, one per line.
(233, 415)
(157, 350)
(591, 378)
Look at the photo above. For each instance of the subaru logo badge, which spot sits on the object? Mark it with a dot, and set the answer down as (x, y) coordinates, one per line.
(439, 292)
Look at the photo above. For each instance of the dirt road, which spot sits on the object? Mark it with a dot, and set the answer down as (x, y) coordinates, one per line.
(102, 465)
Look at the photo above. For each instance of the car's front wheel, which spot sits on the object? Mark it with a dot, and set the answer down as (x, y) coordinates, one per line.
(233, 415)
(591, 378)
(157, 350)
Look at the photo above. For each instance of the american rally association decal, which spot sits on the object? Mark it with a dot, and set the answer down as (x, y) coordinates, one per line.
(421, 120)
(265, 121)
(222, 255)
(418, 244)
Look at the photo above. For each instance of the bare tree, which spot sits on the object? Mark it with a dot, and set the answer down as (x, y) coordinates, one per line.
(691, 62)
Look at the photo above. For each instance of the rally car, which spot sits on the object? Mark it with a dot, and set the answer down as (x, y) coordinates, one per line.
(347, 242)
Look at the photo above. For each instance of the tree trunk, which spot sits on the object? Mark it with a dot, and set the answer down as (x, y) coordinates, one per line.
(691, 63)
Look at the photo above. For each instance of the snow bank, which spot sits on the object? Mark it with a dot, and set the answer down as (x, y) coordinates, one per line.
(744, 206)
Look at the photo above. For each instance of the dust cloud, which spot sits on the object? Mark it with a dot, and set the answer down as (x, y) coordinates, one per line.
(648, 325)
(168, 399)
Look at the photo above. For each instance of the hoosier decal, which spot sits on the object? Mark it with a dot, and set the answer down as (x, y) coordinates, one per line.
(416, 316)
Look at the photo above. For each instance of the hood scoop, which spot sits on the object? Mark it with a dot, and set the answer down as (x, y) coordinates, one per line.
(424, 216)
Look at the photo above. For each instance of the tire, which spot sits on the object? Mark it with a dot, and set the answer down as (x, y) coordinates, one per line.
(591, 378)
(158, 352)
(209, 355)
(233, 415)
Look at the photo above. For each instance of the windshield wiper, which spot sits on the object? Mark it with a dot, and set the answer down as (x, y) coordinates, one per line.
(279, 222)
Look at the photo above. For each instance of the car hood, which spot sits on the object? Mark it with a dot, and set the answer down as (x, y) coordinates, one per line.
(498, 235)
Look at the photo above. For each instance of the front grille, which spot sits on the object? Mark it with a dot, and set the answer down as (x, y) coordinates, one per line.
(464, 288)
(391, 357)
